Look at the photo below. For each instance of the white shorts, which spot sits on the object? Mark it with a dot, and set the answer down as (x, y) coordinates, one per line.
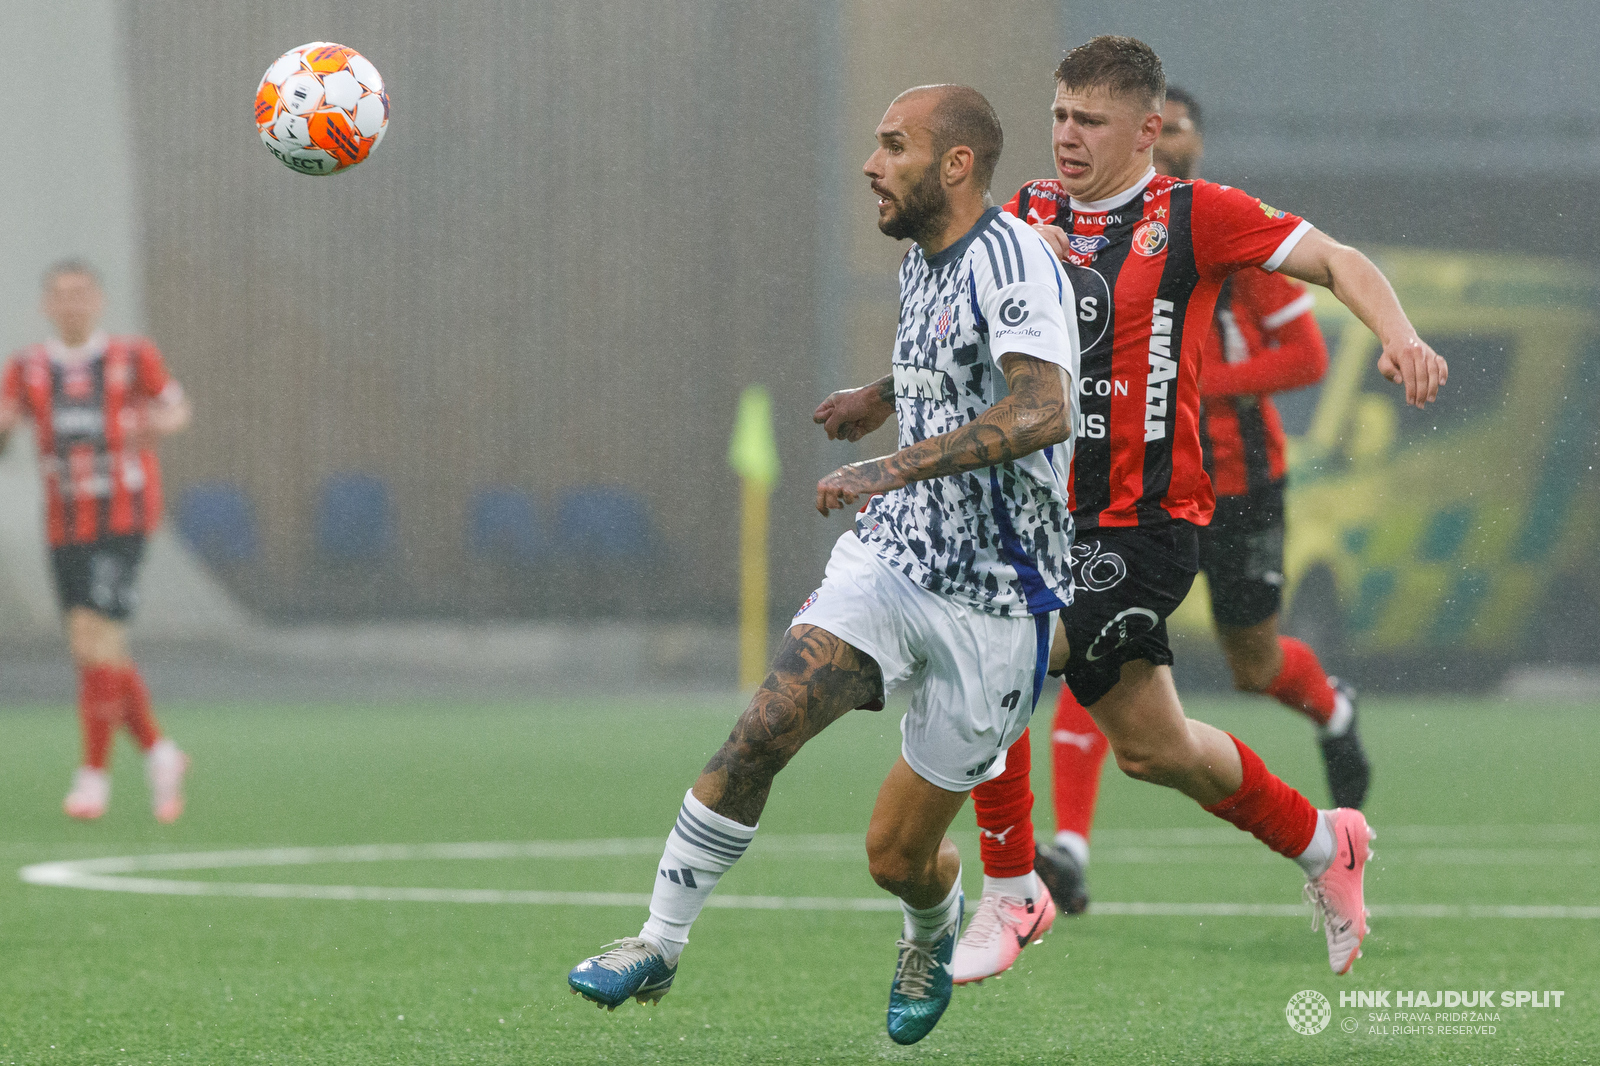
(974, 677)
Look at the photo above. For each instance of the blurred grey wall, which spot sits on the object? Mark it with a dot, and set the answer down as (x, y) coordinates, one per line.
(71, 188)
(588, 228)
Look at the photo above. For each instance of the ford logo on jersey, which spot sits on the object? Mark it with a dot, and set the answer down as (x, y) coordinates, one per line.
(1014, 312)
(1087, 245)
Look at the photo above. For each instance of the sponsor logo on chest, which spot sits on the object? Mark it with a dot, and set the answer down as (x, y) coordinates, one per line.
(1163, 369)
(78, 421)
(1088, 244)
(920, 382)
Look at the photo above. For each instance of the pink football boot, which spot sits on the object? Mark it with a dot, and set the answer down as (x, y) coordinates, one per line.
(1336, 896)
(90, 795)
(164, 767)
(1000, 928)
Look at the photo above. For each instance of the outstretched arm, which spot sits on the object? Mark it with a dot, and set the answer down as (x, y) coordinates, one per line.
(851, 414)
(1360, 285)
(1037, 414)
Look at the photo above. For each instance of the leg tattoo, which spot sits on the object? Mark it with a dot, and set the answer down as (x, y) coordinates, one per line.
(815, 679)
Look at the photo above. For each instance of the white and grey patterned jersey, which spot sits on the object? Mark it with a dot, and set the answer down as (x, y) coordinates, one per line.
(996, 538)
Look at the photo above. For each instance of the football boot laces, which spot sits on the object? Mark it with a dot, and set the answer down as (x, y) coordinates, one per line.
(915, 972)
(622, 955)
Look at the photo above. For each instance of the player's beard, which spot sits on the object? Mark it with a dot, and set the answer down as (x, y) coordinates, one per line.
(922, 211)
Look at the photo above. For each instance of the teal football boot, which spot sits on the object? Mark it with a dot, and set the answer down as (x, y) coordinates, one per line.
(632, 967)
(922, 984)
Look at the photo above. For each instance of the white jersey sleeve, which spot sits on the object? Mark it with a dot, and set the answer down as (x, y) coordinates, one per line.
(1022, 293)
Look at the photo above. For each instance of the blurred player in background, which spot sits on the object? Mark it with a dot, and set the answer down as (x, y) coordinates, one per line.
(1264, 339)
(946, 584)
(1148, 255)
(99, 405)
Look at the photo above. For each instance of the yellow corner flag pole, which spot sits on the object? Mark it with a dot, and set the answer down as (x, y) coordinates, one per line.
(753, 453)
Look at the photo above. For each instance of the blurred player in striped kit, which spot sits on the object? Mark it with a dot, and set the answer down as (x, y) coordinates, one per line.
(99, 405)
(1263, 340)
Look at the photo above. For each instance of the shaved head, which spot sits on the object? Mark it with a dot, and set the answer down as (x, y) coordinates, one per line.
(960, 115)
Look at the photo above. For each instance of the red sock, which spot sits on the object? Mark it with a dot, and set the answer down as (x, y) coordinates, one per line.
(136, 708)
(99, 710)
(1266, 807)
(1079, 750)
(1302, 684)
(1005, 815)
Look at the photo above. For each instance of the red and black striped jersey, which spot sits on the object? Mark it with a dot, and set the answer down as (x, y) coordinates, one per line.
(97, 482)
(1146, 267)
(1264, 340)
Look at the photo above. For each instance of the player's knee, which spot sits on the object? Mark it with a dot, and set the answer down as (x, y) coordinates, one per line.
(1157, 765)
(893, 867)
(86, 639)
(892, 873)
(1138, 766)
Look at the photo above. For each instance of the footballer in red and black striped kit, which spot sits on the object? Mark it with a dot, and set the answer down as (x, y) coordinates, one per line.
(98, 405)
(1263, 339)
(1148, 255)
(1160, 252)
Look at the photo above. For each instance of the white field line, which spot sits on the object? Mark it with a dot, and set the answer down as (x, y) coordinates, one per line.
(111, 874)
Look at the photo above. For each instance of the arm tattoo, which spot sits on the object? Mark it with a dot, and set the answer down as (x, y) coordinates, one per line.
(885, 387)
(816, 679)
(1034, 416)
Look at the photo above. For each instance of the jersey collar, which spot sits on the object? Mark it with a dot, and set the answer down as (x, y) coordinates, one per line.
(1111, 203)
(60, 353)
(959, 248)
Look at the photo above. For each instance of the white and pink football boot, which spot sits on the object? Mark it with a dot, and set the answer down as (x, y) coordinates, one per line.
(1001, 927)
(1336, 896)
(164, 767)
(90, 795)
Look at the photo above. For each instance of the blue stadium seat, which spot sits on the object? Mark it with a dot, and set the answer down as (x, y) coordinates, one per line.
(605, 521)
(218, 521)
(502, 525)
(355, 519)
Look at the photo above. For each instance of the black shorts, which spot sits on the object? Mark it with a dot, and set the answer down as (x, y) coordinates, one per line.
(99, 576)
(1241, 554)
(1125, 583)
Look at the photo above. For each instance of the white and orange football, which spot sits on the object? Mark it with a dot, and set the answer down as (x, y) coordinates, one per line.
(321, 108)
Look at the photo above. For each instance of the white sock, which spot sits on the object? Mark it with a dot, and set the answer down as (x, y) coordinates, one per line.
(1344, 713)
(163, 750)
(1024, 887)
(1318, 855)
(1076, 844)
(928, 925)
(702, 846)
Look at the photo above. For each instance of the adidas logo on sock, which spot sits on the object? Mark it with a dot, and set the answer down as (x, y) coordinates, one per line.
(687, 881)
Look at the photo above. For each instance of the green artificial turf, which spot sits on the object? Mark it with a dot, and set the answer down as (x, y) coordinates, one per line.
(102, 977)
